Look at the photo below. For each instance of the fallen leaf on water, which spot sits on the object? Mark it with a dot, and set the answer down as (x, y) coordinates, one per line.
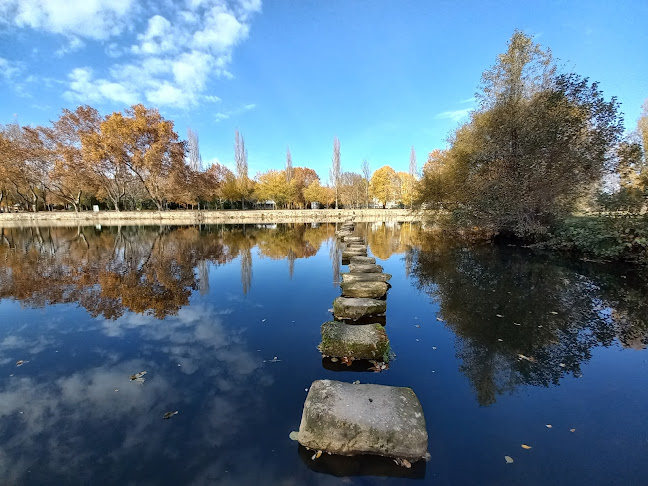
(433, 347)
(562, 365)
(294, 435)
(524, 446)
(263, 320)
(168, 415)
(508, 459)
(316, 455)
(357, 382)
(403, 462)
(347, 361)
(330, 310)
(334, 360)
(554, 313)
(572, 430)
(21, 362)
(548, 426)
(527, 358)
(417, 325)
(273, 360)
(499, 315)
(377, 367)
(500, 340)
(517, 324)
(137, 375)
(439, 319)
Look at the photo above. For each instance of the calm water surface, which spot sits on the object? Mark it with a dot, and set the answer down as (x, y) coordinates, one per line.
(497, 342)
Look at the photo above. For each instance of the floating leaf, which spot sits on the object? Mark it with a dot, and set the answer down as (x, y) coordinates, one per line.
(527, 358)
(562, 365)
(357, 382)
(403, 462)
(548, 426)
(347, 361)
(572, 430)
(500, 340)
(499, 315)
(417, 325)
(334, 360)
(273, 360)
(377, 366)
(517, 324)
(294, 435)
(524, 446)
(317, 455)
(508, 459)
(439, 319)
(554, 313)
(168, 415)
(21, 362)
(137, 376)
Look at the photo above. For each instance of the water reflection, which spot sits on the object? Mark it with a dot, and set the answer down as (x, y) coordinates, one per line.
(148, 270)
(527, 319)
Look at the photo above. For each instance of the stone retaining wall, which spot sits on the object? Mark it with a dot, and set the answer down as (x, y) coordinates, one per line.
(8, 220)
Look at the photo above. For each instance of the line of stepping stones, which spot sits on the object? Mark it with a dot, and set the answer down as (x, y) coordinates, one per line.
(353, 418)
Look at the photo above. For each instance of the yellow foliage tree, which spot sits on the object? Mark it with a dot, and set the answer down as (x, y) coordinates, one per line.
(384, 185)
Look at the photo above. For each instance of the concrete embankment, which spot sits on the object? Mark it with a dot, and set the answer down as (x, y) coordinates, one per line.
(64, 218)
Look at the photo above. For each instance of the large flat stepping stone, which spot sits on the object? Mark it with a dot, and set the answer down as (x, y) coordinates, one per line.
(355, 308)
(365, 277)
(356, 246)
(341, 234)
(365, 341)
(365, 268)
(342, 418)
(363, 259)
(372, 290)
(347, 255)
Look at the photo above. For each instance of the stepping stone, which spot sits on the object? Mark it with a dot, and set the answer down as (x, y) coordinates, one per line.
(365, 277)
(353, 239)
(347, 255)
(363, 259)
(342, 234)
(342, 418)
(355, 308)
(365, 268)
(372, 290)
(365, 341)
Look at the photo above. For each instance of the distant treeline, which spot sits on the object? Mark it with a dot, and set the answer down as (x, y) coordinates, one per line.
(136, 160)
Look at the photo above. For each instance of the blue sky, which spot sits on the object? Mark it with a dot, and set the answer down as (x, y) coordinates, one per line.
(381, 76)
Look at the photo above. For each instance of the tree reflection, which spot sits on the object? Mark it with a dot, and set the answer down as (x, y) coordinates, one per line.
(147, 270)
(527, 319)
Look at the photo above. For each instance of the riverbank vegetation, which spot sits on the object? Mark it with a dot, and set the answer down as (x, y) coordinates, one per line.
(542, 147)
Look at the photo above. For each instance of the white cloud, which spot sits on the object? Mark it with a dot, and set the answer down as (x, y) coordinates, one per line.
(454, 115)
(9, 69)
(73, 45)
(237, 111)
(96, 19)
(176, 56)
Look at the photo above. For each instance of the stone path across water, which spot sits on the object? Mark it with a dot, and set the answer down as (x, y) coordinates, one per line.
(349, 419)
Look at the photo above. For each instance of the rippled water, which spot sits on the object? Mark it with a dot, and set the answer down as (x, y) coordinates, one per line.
(497, 342)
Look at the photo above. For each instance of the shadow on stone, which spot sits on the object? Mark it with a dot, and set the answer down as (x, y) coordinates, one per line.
(360, 465)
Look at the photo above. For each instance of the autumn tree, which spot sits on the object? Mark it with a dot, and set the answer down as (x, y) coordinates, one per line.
(352, 189)
(366, 174)
(314, 192)
(537, 141)
(335, 172)
(273, 186)
(413, 170)
(71, 176)
(302, 178)
(193, 151)
(244, 185)
(384, 185)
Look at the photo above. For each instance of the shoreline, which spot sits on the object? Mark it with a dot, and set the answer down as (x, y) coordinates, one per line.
(189, 217)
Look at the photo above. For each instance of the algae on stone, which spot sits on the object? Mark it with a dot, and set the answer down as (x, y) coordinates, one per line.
(365, 341)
